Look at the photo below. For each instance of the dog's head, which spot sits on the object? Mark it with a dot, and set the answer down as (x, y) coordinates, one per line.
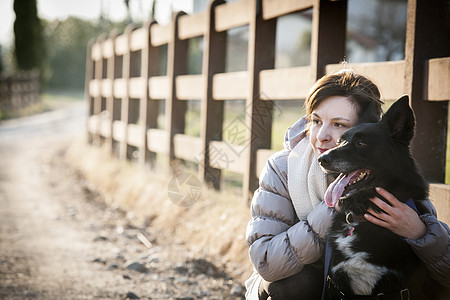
(373, 155)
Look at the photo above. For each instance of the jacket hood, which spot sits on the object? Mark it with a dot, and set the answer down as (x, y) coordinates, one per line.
(295, 134)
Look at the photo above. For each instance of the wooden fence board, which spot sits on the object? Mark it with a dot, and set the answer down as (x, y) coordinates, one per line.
(262, 155)
(137, 87)
(388, 76)
(108, 48)
(188, 147)
(440, 196)
(211, 112)
(175, 110)
(94, 88)
(120, 88)
(119, 131)
(230, 86)
(261, 56)
(276, 8)
(107, 87)
(190, 87)
(138, 39)
(96, 52)
(233, 14)
(160, 35)
(226, 156)
(427, 37)
(290, 83)
(105, 127)
(192, 25)
(438, 79)
(93, 124)
(158, 87)
(135, 135)
(121, 45)
(157, 140)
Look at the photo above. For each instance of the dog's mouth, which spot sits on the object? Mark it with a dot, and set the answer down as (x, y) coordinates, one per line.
(344, 184)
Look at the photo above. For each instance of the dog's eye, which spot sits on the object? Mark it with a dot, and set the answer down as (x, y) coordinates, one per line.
(361, 143)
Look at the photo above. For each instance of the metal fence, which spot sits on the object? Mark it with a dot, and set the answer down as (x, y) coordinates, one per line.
(124, 86)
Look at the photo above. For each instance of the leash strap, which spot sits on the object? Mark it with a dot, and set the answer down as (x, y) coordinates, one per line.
(328, 252)
(410, 203)
(398, 295)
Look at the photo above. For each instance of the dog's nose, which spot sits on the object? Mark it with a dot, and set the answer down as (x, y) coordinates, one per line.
(324, 160)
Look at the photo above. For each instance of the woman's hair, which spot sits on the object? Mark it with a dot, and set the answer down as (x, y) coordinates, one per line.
(361, 91)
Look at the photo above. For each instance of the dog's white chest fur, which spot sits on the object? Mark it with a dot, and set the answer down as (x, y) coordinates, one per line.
(362, 274)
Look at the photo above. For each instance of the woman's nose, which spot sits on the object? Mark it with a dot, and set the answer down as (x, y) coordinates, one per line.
(324, 134)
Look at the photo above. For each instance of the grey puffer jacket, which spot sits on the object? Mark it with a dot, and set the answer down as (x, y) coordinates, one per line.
(280, 244)
(433, 248)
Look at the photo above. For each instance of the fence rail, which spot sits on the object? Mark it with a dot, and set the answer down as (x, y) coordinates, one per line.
(124, 85)
(18, 90)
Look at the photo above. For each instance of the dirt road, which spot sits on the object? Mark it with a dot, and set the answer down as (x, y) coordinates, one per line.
(57, 241)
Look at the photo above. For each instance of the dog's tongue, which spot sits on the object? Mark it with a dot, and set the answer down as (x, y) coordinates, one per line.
(336, 188)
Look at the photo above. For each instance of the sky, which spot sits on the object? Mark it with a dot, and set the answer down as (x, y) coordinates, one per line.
(89, 9)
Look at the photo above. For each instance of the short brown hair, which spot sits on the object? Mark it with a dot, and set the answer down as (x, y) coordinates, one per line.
(360, 90)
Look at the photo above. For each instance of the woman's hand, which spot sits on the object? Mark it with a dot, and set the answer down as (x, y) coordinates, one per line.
(397, 217)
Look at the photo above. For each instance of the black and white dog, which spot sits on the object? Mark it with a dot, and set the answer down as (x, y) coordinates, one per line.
(368, 260)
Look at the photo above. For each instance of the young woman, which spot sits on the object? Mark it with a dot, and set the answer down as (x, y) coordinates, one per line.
(287, 232)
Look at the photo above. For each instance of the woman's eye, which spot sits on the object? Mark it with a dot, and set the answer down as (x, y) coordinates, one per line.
(316, 122)
(339, 125)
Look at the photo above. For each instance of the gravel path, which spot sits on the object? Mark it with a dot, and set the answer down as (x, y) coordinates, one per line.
(58, 241)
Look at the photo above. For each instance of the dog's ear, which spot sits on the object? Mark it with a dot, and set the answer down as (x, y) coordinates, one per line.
(400, 121)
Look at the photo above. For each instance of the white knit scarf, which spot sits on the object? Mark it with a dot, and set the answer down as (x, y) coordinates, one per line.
(307, 183)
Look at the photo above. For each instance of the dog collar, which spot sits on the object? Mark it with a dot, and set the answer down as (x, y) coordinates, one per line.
(352, 218)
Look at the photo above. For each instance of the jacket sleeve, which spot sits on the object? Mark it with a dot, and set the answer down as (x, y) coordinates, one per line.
(434, 247)
(280, 244)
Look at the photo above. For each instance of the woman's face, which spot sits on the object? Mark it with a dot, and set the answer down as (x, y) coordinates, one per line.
(333, 116)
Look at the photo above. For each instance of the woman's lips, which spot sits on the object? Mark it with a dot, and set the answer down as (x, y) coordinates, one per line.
(322, 150)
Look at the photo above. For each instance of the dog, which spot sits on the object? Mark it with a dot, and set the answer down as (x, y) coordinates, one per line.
(369, 260)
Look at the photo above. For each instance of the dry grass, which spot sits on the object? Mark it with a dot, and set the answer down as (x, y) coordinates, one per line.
(214, 226)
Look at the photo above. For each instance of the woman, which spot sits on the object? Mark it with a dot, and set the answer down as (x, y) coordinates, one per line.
(289, 223)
